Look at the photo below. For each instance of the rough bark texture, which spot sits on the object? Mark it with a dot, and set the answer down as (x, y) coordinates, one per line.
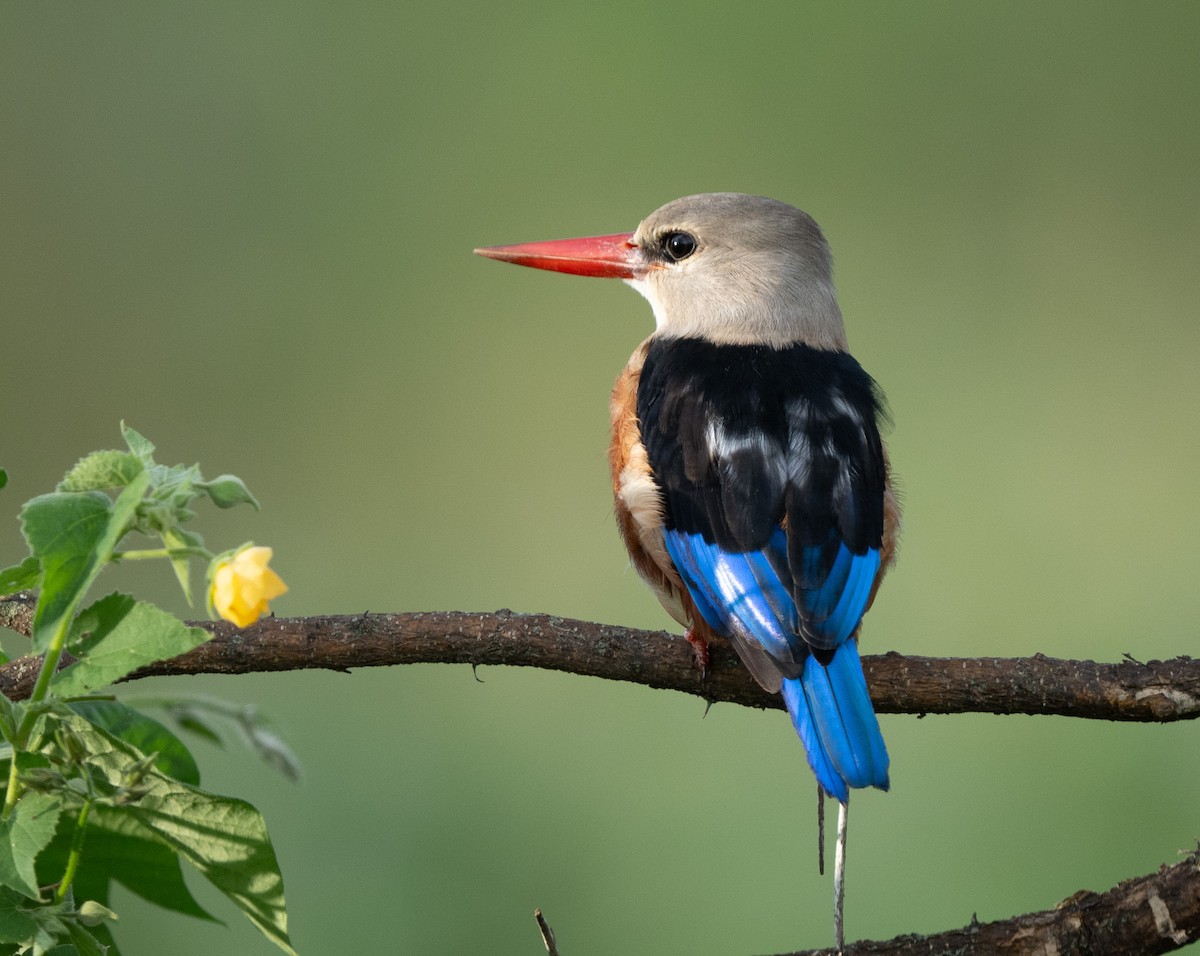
(1129, 690)
(1157, 913)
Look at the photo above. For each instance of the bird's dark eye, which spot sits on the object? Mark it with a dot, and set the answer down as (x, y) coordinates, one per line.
(678, 245)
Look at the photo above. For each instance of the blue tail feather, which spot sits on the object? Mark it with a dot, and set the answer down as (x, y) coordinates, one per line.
(832, 713)
(746, 595)
(818, 759)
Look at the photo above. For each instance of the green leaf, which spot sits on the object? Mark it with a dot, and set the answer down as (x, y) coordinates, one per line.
(85, 942)
(117, 635)
(139, 445)
(226, 491)
(23, 836)
(212, 719)
(224, 838)
(37, 928)
(64, 531)
(21, 577)
(117, 847)
(198, 725)
(274, 751)
(143, 732)
(10, 716)
(177, 484)
(3, 477)
(16, 925)
(74, 534)
(102, 469)
(173, 538)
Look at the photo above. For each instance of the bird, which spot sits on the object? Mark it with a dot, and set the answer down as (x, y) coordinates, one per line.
(751, 484)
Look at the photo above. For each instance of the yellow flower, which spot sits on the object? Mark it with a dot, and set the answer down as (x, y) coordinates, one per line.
(243, 586)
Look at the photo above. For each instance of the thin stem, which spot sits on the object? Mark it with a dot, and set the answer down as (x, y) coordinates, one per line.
(10, 796)
(49, 665)
(149, 553)
(76, 851)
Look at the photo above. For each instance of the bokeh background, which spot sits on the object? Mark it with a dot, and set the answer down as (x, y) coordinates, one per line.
(245, 228)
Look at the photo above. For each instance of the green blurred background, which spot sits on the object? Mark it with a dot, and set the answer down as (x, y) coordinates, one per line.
(246, 228)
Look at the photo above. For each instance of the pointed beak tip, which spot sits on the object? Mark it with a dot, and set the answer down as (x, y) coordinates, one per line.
(608, 257)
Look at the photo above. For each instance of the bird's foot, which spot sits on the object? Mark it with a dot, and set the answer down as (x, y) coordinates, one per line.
(699, 651)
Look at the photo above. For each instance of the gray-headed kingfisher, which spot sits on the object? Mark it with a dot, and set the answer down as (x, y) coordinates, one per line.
(752, 486)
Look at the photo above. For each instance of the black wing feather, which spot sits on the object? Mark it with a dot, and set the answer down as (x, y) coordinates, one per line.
(798, 447)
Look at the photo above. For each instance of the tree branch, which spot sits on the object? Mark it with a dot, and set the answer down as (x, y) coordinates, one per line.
(1154, 691)
(1144, 915)
(1149, 914)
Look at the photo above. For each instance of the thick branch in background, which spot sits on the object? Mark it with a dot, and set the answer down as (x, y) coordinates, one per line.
(1149, 914)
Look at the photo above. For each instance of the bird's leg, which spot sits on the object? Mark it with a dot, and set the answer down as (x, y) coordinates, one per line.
(839, 877)
(699, 650)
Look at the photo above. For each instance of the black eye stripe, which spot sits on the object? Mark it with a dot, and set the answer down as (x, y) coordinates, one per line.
(677, 245)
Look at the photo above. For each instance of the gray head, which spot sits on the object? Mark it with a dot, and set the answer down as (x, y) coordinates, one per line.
(725, 267)
(739, 269)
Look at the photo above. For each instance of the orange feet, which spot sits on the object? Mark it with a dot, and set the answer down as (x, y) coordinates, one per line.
(699, 650)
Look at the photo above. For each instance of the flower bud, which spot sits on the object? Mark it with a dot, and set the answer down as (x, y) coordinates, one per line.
(229, 490)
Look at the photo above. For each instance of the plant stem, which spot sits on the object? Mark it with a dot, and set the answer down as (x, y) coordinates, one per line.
(10, 795)
(49, 665)
(76, 851)
(148, 553)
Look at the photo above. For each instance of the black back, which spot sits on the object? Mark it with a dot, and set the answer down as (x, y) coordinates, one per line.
(746, 438)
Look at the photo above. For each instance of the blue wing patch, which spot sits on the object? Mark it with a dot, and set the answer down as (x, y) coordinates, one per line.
(738, 592)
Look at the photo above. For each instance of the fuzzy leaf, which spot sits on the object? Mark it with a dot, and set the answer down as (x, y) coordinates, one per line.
(73, 534)
(222, 837)
(100, 470)
(116, 636)
(64, 531)
(143, 732)
(138, 444)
